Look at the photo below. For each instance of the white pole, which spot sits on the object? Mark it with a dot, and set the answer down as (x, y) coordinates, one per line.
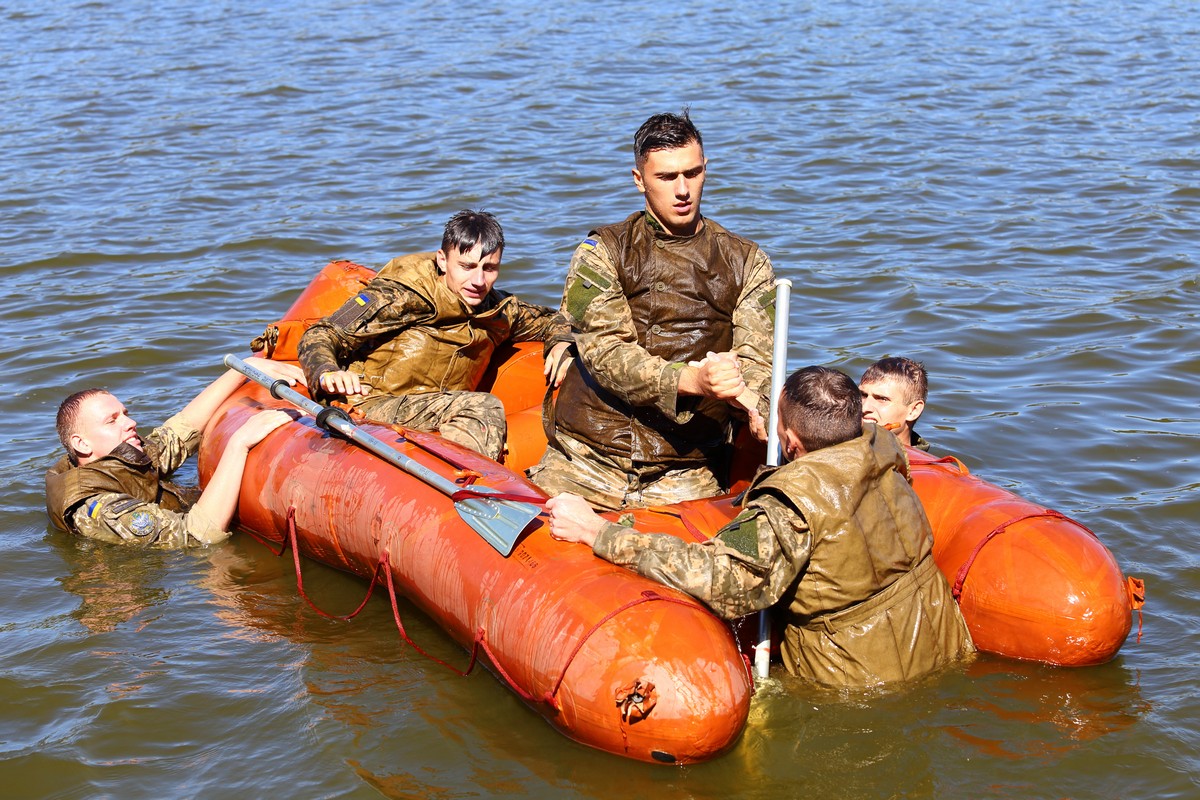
(783, 296)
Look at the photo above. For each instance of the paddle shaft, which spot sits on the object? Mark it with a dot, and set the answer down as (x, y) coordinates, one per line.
(335, 419)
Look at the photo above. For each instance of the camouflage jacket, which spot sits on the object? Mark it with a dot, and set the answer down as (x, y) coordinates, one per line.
(149, 511)
(840, 537)
(621, 358)
(407, 333)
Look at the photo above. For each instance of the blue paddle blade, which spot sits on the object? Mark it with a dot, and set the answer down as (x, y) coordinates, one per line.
(499, 522)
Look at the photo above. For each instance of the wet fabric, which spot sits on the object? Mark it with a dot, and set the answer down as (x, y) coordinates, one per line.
(412, 339)
(642, 304)
(472, 419)
(123, 497)
(842, 540)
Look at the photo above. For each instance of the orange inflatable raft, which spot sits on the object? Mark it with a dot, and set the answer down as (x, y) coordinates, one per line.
(613, 660)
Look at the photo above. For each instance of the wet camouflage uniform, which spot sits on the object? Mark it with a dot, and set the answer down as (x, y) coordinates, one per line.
(918, 441)
(643, 303)
(840, 536)
(422, 351)
(122, 498)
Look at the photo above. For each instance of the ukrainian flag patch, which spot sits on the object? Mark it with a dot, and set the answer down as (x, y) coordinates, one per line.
(93, 509)
(588, 244)
(362, 299)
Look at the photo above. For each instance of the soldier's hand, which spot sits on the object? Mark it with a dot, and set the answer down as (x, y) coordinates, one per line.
(573, 520)
(279, 370)
(341, 382)
(758, 425)
(558, 360)
(719, 376)
(255, 429)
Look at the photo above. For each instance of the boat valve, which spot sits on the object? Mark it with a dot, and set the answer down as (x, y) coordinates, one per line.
(636, 700)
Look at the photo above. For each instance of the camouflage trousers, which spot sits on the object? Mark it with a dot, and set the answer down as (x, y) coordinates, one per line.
(472, 419)
(609, 485)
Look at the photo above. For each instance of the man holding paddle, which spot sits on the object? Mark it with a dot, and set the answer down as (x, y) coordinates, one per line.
(111, 483)
(673, 318)
(411, 348)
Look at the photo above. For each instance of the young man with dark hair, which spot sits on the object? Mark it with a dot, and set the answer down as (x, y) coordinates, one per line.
(673, 318)
(894, 391)
(411, 348)
(837, 534)
(111, 485)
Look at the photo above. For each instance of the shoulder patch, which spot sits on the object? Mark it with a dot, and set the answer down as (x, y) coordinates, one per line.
(741, 535)
(142, 524)
(355, 309)
(588, 244)
(767, 302)
(587, 286)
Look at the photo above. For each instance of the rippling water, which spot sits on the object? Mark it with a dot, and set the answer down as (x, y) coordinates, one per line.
(1004, 190)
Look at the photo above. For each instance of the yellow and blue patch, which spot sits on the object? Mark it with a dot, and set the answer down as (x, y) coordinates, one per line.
(589, 244)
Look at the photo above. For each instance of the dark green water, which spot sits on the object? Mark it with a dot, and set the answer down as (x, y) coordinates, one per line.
(1007, 191)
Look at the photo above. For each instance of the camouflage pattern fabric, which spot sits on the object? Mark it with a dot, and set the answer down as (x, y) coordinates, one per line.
(574, 467)
(472, 419)
(865, 603)
(121, 519)
(598, 311)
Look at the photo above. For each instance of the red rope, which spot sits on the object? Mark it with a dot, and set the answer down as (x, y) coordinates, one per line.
(999, 529)
(648, 595)
(291, 518)
(403, 633)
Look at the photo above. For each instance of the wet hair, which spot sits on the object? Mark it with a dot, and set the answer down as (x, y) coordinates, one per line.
(468, 228)
(908, 372)
(822, 406)
(68, 416)
(664, 132)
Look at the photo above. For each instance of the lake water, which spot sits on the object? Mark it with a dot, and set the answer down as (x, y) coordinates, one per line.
(1007, 191)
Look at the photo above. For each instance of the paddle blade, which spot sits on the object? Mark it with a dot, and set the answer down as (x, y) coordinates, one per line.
(499, 522)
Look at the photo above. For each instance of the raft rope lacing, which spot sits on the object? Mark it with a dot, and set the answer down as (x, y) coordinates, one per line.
(1135, 586)
(480, 641)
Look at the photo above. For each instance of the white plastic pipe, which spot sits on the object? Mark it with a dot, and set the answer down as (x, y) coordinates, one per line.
(783, 296)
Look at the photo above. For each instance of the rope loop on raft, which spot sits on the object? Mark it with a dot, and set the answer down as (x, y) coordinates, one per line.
(961, 578)
(291, 541)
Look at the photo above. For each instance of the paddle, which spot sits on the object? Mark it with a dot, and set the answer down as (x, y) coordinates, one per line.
(783, 296)
(498, 520)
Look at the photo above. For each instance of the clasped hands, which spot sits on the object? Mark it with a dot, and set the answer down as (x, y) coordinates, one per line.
(718, 375)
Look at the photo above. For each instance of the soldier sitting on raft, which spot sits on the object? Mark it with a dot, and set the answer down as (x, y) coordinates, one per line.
(110, 486)
(837, 533)
(411, 348)
(894, 391)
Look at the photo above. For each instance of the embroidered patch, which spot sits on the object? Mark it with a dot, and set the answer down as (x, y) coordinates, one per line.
(742, 535)
(588, 244)
(93, 509)
(587, 286)
(767, 303)
(142, 524)
(353, 310)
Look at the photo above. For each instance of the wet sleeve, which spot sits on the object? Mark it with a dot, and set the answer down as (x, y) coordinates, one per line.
(532, 323)
(383, 307)
(754, 329)
(121, 519)
(170, 444)
(598, 311)
(746, 567)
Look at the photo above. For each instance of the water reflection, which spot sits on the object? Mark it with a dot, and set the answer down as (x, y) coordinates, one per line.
(114, 584)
